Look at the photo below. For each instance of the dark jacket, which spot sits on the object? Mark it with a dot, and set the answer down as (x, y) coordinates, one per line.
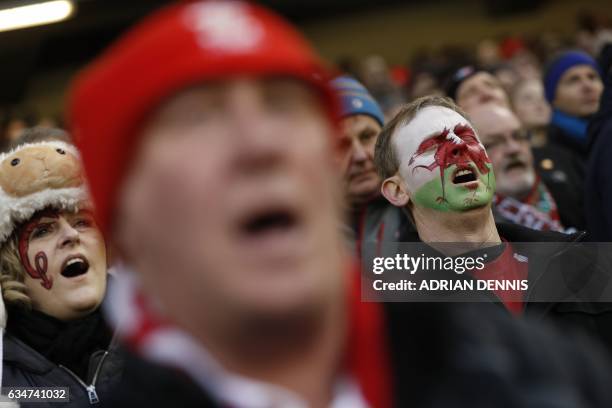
(567, 278)
(25, 367)
(31, 336)
(598, 201)
(561, 174)
(557, 137)
(376, 222)
(441, 356)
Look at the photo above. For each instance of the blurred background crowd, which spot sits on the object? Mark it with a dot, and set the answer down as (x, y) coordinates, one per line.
(399, 50)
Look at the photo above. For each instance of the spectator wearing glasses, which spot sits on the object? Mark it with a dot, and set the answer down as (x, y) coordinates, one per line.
(536, 193)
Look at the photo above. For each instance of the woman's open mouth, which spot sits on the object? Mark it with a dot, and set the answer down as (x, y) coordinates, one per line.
(74, 266)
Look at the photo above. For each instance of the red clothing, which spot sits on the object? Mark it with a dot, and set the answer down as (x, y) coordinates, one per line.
(368, 358)
(508, 266)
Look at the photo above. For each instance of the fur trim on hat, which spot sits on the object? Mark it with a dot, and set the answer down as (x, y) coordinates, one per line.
(15, 208)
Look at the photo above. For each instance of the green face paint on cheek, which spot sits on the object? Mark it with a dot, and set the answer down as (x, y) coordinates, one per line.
(455, 197)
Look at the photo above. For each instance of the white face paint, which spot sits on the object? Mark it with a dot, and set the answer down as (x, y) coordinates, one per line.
(428, 122)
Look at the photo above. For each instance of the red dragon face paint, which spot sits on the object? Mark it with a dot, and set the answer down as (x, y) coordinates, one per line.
(440, 138)
(39, 269)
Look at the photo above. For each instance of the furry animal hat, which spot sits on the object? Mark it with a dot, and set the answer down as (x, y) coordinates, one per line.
(36, 176)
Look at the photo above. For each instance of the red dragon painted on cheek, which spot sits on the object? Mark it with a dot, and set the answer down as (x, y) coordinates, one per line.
(39, 270)
(460, 149)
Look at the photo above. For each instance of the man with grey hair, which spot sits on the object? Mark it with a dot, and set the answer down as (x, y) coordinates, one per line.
(542, 199)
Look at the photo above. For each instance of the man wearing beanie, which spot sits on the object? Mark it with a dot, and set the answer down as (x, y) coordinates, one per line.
(573, 86)
(209, 137)
(371, 217)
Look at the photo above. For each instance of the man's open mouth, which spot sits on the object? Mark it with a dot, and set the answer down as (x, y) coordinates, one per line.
(464, 175)
(272, 220)
(73, 266)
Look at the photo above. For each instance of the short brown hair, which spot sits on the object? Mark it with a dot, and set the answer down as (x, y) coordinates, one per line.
(385, 158)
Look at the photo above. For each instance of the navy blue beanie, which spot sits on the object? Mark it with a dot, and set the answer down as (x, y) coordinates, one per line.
(355, 99)
(557, 67)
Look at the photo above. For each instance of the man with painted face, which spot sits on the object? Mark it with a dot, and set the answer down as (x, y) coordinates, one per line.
(433, 163)
(543, 199)
(53, 276)
(216, 174)
(371, 217)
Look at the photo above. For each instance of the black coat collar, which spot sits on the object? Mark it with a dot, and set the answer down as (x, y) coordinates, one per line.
(25, 357)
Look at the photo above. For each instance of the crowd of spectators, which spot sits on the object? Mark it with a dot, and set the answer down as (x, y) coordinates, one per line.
(196, 233)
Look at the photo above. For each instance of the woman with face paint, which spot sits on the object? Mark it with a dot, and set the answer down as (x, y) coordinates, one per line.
(53, 276)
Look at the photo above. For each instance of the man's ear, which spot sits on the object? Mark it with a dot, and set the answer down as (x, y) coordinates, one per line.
(393, 190)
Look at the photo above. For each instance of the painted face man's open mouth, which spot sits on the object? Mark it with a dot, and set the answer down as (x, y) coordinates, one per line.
(464, 174)
(75, 265)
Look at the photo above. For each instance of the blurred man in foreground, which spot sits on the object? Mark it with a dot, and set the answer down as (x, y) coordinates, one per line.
(216, 174)
(544, 199)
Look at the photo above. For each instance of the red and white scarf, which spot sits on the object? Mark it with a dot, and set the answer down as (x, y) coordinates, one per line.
(538, 211)
(138, 322)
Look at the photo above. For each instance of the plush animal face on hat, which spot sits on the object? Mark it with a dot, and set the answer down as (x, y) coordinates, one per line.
(35, 176)
(39, 167)
(45, 212)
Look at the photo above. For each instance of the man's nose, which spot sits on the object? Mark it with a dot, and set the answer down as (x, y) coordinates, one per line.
(258, 143)
(512, 146)
(486, 95)
(358, 152)
(588, 85)
(458, 149)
